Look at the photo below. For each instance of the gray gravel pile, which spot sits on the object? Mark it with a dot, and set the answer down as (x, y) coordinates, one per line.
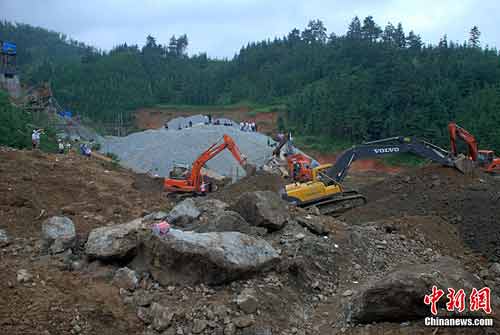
(156, 151)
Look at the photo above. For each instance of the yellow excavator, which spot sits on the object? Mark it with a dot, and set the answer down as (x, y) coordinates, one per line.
(322, 191)
(325, 190)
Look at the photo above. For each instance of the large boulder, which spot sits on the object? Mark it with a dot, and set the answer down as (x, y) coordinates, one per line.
(210, 206)
(399, 296)
(228, 221)
(184, 257)
(58, 234)
(113, 242)
(184, 213)
(263, 208)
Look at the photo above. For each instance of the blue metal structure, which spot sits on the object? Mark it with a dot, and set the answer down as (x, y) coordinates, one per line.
(8, 52)
(9, 48)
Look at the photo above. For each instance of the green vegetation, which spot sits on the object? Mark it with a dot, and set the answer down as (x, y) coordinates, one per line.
(16, 126)
(322, 144)
(15, 130)
(252, 107)
(367, 84)
(405, 159)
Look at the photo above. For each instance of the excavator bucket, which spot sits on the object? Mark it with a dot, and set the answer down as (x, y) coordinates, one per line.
(464, 164)
(250, 169)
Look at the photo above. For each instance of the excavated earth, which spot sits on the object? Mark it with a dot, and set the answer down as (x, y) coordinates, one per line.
(413, 217)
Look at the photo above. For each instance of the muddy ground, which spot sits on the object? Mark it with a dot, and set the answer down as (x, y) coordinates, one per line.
(35, 186)
(411, 217)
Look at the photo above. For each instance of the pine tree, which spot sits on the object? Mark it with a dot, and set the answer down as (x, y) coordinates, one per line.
(315, 32)
(399, 36)
(474, 37)
(354, 30)
(443, 42)
(370, 30)
(414, 41)
(172, 45)
(388, 34)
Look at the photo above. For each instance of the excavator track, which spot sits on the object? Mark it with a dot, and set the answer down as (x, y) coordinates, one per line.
(338, 203)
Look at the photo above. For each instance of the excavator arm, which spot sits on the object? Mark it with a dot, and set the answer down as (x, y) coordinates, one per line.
(455, 130)
(385, 147)
(193, 182)
(214, 150)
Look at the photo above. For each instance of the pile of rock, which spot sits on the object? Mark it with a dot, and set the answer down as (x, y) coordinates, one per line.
(209, 242)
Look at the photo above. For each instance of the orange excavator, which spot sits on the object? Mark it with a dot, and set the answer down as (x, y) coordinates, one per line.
(192, 181)
(299, 165)
(485, 159)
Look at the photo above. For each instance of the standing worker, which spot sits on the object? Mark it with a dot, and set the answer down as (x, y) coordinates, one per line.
(68, 147)
(35, 138)
(60, 146)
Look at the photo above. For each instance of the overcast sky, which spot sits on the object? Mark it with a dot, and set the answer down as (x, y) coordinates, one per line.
(221, 27)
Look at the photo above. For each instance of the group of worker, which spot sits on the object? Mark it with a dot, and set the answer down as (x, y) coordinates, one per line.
(207, 121)
(248, 126)
(62, 147)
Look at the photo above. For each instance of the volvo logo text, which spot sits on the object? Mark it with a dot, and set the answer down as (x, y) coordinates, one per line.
(386, 150)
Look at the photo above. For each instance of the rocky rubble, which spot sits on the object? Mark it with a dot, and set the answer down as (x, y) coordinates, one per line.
(316, 224)
(126, 278)
(221, 269)
(4, 238)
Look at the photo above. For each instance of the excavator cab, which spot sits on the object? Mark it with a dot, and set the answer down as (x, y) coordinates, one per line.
(489, 161)
(299, 167)
(485, 157)
(179, 171)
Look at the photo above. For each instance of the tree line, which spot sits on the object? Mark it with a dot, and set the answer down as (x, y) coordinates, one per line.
(368, 83)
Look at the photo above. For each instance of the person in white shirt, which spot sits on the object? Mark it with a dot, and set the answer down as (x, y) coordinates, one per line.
(35, 138)
(60, 146)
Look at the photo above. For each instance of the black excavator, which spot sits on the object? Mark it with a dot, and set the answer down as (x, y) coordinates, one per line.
(325, 190)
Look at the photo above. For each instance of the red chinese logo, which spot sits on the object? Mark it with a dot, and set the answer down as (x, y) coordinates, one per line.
(455, 300)
(478, 300)
(433, 298)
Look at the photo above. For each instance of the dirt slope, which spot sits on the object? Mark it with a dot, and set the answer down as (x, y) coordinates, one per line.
(468, 204)
(33, 186)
